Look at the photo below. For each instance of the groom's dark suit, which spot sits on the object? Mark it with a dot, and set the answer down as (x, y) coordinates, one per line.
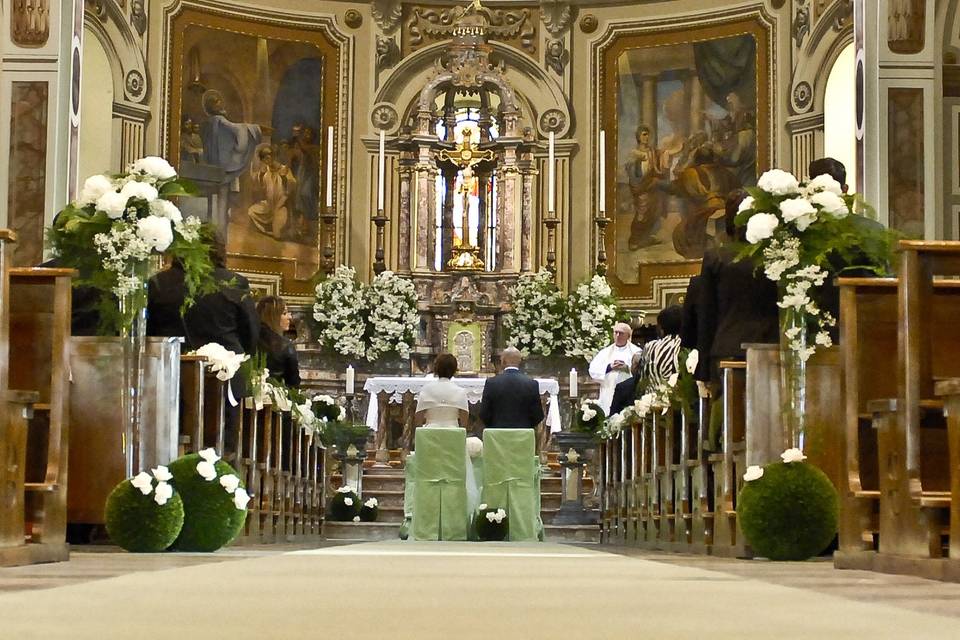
(511, 399)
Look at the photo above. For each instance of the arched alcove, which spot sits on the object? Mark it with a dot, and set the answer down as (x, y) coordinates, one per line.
(96, 109)
(839, 113)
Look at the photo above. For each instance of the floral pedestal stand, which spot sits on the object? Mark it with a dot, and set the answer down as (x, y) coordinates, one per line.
(575, 450)
(133, 328)
(351, 456)
(793, 376)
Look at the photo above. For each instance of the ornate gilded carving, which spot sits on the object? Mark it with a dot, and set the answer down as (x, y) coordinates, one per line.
(353, 18)
(589, 23)
(388, 53)
(387, 14)
(30, 22)
(556, 56)
(428, 24)
(556, 16)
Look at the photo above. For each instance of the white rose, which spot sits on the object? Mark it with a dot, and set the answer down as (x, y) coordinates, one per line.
(693, 359)
(371, 503)
(209, 454)
(825, 182)
(491, 516)
(792, 455)
(746, 203)
(761, 226)
(154, 166)
(356, 518)
(166, 209)
(156, 232)
(348, 502)
(799, 211)
(113, 204)
(143, 481)
(229, 482)
(93, 188)
(140, 190)
(779, 182)
(207, 470)
(754, 472)
(831, 203)
(345, 490)
(482, 506)
(162, 474)
(240, 499)
(164, 492)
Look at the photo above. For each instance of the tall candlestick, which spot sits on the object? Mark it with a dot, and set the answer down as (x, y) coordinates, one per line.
(550, 177)
(603, 173)
(350, 380)
(329, 200)
(573, 383)
(380, 175)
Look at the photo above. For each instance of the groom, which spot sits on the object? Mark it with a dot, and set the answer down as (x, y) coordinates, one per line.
(511, 399)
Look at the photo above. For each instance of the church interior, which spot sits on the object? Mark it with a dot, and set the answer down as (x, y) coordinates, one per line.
(601, 318)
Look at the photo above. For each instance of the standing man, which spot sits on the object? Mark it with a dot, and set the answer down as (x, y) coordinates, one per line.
(611, 365)
(511, 399)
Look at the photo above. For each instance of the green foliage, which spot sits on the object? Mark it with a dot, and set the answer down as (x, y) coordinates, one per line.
(339, 510)
(488, 530)
(138, 524)
(211, 519)
(341, 434)
(790, 513)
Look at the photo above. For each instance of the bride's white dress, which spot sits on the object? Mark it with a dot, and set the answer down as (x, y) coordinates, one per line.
(441, 401)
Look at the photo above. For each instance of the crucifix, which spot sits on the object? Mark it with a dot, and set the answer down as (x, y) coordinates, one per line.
(466, 156)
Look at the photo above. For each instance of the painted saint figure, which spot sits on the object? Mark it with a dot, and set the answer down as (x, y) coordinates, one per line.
(643, 171)
(275, 184)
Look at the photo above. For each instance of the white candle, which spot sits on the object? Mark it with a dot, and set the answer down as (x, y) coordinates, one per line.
(573, 383)
(603, 173)
(329, 167)
(380, 180)
(550, 177)
(350, 382)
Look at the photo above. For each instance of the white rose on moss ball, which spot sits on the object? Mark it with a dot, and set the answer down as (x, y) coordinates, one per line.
(825, 182)
(143, 481)
(779, 183)
(206, 470)
(831, 203)
(156, 232)
(140, 190)
(156, 167)
(166, 209)
(799, 211)
(93, 189)
(792, 455)
(113, 204)
(162, 474)
(163, 493)
(240, 499)
(229, 482)
(761, 226)
(210, 454)
(356, 518)
(348, 502)
(754, 472)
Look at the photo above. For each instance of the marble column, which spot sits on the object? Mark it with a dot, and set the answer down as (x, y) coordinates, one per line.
(526, 221)
(446, 220)
(406, 171)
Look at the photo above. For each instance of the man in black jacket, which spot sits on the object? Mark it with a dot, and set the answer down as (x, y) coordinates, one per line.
(511, 399)
(626, 392)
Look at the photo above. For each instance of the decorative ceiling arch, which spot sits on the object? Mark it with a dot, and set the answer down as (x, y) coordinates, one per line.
(535, 89)
(107, 22)
(820, 52)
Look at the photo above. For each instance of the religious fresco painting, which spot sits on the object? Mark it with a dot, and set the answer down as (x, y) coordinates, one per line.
(686, 113)
(246, 121)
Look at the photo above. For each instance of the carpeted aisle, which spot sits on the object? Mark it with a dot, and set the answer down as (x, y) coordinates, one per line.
(448, 591)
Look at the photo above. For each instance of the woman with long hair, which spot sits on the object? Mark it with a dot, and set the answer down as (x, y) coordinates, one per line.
(281, 355)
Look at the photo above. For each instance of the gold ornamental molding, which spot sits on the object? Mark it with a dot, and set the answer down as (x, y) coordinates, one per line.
(424, 25)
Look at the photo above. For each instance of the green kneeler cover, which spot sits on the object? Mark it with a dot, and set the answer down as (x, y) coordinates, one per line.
(409, 490)
(511, 480)
(440, 484)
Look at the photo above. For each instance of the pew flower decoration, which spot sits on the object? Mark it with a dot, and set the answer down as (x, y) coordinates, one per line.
(391, 301)
(754, 472)
(692, 360)
(474, 447)
(326, 409)
(592, 312)
(792, 455)
(117, 225)
(339, 312)
(589, 417)
(222, 361)
(536, 324)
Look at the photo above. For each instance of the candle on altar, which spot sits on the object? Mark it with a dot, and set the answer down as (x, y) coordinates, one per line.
(380, 174)
(573, 383)
(350, 380)
(329, 199)
(550, 176)
(603, 173)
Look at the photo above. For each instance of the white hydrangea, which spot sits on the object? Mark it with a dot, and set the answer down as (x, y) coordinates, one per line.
(746, 204)
(156, 232)
(799, 211)
(824, 183)
(761, 226)
(339, 309)
(779, 183)
(166, 209)
(139, 190)
(93, 189)
(113, 204)
(830, 203)
(154, 166)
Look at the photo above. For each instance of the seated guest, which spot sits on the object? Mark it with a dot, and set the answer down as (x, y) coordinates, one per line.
(442, 402)
(281, 355)
(626, 392)
(165, 293)
(688, 324)
(660, 356)
(511, 399)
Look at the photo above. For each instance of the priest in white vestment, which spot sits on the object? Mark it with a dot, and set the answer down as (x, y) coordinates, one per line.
(611, 365)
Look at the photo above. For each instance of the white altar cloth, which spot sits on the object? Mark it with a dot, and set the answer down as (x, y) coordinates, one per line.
(396, 386)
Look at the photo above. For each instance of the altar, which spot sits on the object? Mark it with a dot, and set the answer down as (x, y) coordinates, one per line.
(403, 390)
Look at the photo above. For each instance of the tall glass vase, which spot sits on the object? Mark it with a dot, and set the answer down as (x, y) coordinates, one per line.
(133, 330)
(793, 376)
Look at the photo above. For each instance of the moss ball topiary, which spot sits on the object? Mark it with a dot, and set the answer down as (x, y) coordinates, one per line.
(370, 510)
(344, 505)
(211, 519)
(487, 526)
(137, 523)
(790, 513)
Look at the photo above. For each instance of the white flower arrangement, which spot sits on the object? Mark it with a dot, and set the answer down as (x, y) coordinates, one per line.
(792, 455)
(754, 472)
(339, 311)
(391, 301)
(162, 492)
(536, 324)
(592, 312)
(793, 229)
(224, 362)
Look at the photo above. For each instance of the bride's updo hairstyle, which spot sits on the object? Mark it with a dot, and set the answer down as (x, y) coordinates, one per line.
(445, 365)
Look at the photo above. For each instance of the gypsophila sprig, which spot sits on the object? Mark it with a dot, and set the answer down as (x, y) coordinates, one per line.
(117, 225)
(537, 322)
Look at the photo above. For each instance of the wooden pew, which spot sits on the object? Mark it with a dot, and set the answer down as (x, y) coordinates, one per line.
(701, 507)
(40, 308)
(730, 463)
(949, 392)
(203, 418)
(665, 428)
